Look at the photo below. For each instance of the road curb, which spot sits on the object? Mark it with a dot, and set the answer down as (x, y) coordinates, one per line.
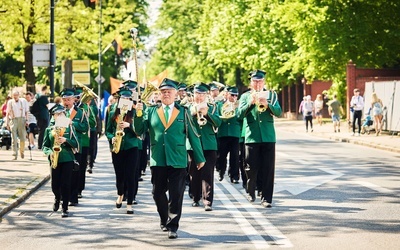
(362, 143)
(36, 184)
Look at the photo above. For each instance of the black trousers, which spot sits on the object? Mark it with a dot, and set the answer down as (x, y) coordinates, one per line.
(92, 151)
(242, 163)
(125, 167)
(75, 180)
(144, 156)
(261, 156)
(82, 169)
(229, 145)
(357, 114)
(61, 182)
(169, 208)
(42, 125)
(202, 181)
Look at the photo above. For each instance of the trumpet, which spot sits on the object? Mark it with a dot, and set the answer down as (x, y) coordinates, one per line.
(195, 110)
(260, 107)
(119, 133)
(57, 133)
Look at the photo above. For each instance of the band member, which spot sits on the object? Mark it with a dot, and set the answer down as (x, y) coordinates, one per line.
(17, 115)
(181, 91)
(124, 143)
(257, 108)
(95, 128)
(208, 121)
(228, 136)
(81, 125)
(58, 143)
(168, 125)
(85, 141)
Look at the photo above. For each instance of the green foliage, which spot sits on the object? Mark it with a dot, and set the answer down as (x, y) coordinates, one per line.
(23, 24)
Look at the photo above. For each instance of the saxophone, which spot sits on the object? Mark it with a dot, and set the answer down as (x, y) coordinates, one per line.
(119, 133)
(57, 133)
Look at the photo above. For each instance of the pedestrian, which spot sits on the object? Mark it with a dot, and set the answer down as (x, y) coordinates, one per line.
(335, 110)
(228, 136)
(16, 120)
(308, 109)
(377, 113)
(319, 105)
(60, 134)
(31, 123)
(124, 145)
(4, 107)
(207, 122)
(260, 139)
(357, 105)
(169, 126)
(43, 118)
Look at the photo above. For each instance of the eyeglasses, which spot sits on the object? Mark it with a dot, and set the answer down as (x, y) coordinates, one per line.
(233, 95)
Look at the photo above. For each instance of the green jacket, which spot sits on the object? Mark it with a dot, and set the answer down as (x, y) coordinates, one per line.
(129, 140)
(208, 132)
(81, 125)
(259, 127)
(167, 141)
(66, 153)
(86, 113)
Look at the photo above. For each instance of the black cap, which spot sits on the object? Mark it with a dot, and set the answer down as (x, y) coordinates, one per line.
(130, 84)
(56, 109)
(201, 87)
(232, 90)
(168, 84)
(182, 86)
(257, 74)
(67, 92)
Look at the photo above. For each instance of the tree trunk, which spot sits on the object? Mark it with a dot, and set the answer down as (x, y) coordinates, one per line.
(29, 73)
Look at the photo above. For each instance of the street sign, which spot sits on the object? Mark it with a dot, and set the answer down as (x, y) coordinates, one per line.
(41, 55)
(83, 78)
(99, 79)
(80, 65)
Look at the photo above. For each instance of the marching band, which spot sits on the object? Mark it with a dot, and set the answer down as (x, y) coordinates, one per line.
(188, 134)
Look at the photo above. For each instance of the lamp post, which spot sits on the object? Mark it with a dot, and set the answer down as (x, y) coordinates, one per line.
(52, 51)
(99, 78)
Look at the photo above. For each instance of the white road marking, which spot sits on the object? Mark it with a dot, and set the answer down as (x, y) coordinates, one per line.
(267, 226)
(373, 187)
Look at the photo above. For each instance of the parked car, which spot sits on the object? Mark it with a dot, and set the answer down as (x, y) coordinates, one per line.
(5, 136)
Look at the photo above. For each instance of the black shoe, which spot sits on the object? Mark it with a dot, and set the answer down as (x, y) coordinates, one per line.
(195, 204)
(118, 205)
(134, 202)
(235, 181)
(79, 196)
(129, 211)
(266, 204)
(140, 179)
(73, 204)
(250, 197)
(172, 235)
(90, 170)
(163, 228)
(64, 214)
(56, 206)
(221, 177)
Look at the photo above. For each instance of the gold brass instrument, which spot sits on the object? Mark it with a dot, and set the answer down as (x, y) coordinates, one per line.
(148, 92)
(134, 34)
(228, 109)
(88, 95)
(195, 109)
(57, 132)
(260, 107)
(119, 133)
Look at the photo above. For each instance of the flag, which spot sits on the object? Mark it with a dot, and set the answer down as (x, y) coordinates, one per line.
(104, 105)
(156, 80)
(117, 44)
(115, 84)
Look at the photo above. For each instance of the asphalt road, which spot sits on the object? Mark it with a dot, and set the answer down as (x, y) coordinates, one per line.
(328, 195)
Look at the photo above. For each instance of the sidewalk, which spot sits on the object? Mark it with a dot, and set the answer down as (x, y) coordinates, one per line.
(385, 141)
(20, 178)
